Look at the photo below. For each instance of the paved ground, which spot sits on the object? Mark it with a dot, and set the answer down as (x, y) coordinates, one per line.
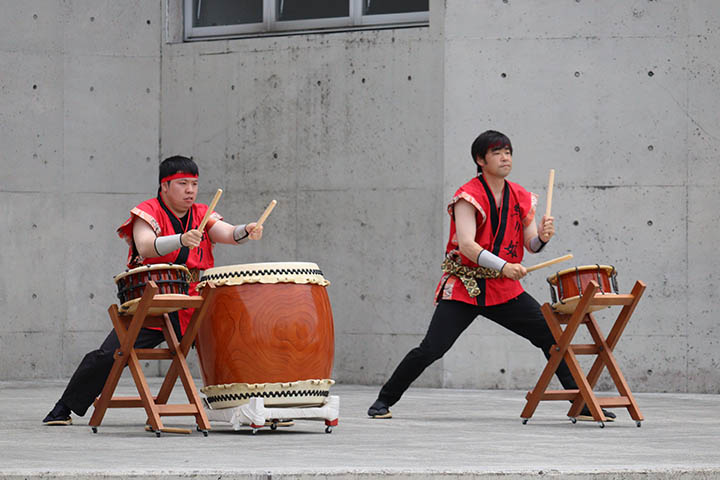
(435, 433)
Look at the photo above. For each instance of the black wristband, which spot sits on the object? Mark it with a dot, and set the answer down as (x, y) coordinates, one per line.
(536, 244)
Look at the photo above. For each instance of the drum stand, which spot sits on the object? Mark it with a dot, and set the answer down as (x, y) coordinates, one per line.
(127, 328)
(602, 347)
(257, 415)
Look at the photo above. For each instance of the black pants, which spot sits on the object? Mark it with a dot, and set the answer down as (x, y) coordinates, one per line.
(89, 378)
(520, 315)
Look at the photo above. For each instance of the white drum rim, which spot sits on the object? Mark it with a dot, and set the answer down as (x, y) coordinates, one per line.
(149, 268)
(297, 393)
(266, 272)
(569, 305)
(130, 307)
(580, 268)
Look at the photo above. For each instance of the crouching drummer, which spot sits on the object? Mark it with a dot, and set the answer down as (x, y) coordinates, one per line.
(163, 229)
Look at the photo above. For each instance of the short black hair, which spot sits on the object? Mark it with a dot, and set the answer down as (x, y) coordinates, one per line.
(177, 164)
(488, 140)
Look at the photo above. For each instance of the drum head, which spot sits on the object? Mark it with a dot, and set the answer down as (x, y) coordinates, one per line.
(150, 268)
(280, 272)
(553, 278)
(130, 307)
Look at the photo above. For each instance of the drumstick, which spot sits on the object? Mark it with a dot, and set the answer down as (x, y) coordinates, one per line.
(550, 262)
(210, 209)
(265, 214)
(551, 180)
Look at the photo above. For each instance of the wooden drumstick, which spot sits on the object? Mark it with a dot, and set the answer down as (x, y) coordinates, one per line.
(265, 214)
(551, 180)
(210, 209)
(550, 262)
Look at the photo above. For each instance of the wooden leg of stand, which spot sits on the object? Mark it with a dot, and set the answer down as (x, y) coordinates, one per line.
(556, 355)
(612, 339)
(606, 356)
(586, 389)
(103, 401)
(144, 390)
(559, 350)
(179, 367)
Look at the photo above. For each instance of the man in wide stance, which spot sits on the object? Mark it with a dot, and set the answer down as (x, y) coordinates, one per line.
(163, 229)
(492, 221)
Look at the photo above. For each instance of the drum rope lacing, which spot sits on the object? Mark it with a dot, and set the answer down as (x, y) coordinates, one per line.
(252, 273)
(282, 394)
(612, 276)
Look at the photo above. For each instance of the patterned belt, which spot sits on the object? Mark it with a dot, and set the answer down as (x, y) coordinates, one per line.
(468, 275)
(195, 274)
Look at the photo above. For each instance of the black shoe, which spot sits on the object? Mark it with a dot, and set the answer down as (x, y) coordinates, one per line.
(586, 416)
(59, 415)
(379, 409)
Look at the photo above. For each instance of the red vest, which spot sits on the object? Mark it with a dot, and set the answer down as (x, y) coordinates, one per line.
(164, 222)
(499, 230)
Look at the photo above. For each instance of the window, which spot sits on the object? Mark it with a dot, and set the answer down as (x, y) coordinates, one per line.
(236, 18)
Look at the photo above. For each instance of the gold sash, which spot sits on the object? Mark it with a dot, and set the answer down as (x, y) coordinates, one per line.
(467, 275)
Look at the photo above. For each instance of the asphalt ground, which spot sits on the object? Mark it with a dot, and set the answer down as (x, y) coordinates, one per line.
(434, 433)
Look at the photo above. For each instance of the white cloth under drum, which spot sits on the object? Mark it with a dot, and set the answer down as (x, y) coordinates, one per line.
(254, 413)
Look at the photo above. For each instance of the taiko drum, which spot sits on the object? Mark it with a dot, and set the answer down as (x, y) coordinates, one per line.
(172, 282)
(572, 282)
(268, 323)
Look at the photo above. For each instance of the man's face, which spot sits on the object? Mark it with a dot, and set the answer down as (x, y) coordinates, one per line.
(180, 193)
(497, 162)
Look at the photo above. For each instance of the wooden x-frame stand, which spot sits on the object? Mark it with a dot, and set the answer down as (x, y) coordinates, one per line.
(602, 347)
(127, 328)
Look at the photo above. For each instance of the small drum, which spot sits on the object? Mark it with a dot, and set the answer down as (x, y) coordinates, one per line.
(269, 323)
(572, 282)
(172, 281)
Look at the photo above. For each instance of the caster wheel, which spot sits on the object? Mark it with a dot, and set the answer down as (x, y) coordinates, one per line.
(638, 423)
(204, 432)
(573, 419)
(524, 421)
(158, 434)
(94, 429)
(601, 424)
(254, 431)
(328, 429)
(273, 426)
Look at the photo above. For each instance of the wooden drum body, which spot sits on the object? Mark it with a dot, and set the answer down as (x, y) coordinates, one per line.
(571, 283)
(269, 323)
(172, 282)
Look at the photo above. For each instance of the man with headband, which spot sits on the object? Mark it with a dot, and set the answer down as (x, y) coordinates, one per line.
(163, 229)
(492, 221)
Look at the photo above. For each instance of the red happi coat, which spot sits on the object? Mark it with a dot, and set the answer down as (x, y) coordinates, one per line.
(164, 222)
(499, 230)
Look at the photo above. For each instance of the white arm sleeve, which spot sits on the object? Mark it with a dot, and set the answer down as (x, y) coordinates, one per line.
(240, 234)
(490, 260)
(167, 244)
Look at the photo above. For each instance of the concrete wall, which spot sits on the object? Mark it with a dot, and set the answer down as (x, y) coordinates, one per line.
(620, 98)
(363, 137)
(79, 129)
(344, 131)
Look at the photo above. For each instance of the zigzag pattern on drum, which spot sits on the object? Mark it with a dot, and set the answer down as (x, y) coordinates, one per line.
(272, 271)
(246, 396)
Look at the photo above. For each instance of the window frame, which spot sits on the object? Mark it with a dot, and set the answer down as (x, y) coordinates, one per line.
(271, 27)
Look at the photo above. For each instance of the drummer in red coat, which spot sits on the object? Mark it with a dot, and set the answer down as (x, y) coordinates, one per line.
(492, 221)
(163, 229)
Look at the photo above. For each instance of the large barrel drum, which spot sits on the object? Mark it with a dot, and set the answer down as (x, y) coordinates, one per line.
(269, 323)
